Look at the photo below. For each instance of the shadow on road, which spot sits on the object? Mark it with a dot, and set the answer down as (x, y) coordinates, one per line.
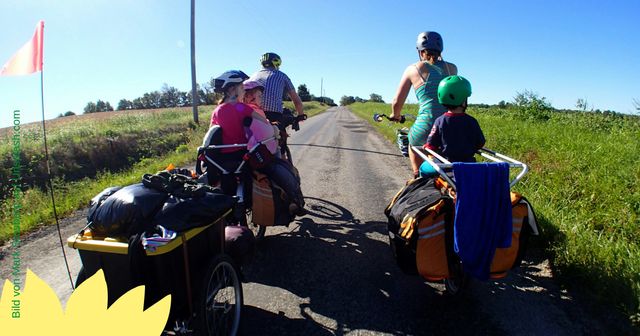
(348, 149)
(345, 269)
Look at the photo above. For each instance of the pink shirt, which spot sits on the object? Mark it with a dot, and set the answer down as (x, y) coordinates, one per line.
(230, 116)
(258, 109)
(261, 129)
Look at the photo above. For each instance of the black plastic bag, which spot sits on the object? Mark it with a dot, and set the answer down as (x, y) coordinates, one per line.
(181, 214)
(97, 200)
(128, 211)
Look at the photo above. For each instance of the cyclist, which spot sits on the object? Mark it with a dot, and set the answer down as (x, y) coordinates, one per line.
(424, 76)
(276, 83)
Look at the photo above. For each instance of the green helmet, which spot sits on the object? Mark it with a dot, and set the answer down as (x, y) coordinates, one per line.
(453, 90)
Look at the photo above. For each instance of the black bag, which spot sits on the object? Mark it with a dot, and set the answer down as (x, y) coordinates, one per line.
(181, 214)
(417, 195)
(97, 201)
(127, 211)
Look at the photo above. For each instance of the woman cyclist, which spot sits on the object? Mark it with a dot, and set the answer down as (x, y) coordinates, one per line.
(424, 76)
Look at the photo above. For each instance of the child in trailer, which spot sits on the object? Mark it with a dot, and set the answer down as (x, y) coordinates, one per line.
(455, 134)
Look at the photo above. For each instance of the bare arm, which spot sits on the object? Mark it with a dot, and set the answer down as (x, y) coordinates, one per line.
(297, 102)
(401, 94)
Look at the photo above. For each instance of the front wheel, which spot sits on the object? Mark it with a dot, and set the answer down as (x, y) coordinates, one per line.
(220, 302)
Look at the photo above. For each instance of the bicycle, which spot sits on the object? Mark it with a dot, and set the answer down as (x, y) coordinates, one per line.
(288, 119)
(237, 175)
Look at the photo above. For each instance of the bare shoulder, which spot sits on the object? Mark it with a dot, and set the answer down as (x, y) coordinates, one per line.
(411, 72)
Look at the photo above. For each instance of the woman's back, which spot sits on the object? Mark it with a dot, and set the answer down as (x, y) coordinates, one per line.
(427, 92)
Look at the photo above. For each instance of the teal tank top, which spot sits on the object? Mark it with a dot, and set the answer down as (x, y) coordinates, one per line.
(427, 93)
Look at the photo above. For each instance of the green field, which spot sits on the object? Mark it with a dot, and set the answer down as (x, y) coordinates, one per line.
(91, 152)
(584, 184)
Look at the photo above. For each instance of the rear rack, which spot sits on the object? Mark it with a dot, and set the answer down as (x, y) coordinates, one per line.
(442, 165)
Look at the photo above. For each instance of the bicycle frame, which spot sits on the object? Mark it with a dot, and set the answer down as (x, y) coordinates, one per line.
(442, 165)
(240, 187)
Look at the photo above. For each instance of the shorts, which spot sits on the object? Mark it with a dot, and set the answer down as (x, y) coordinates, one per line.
(420, 130)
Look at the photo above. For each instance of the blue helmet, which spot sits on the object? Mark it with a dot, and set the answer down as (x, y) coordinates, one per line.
(227, 79)
(429, 41)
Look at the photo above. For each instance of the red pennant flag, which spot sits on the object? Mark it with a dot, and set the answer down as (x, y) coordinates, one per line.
(29, 58)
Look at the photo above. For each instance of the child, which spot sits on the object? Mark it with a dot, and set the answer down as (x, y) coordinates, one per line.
(455, 134)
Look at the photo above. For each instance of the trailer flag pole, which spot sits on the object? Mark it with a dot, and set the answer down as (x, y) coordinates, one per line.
(28, 60)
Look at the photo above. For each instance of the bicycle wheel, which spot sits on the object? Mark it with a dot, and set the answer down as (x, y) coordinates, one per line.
(457, 281)
(220, 302)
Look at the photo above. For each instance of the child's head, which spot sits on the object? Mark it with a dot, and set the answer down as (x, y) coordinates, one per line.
(229, 84)
(453, 92)
(253, 92)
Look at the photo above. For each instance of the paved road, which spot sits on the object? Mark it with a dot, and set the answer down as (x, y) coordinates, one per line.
(331, 272)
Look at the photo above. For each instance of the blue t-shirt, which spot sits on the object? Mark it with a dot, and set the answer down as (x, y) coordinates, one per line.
(457, 136)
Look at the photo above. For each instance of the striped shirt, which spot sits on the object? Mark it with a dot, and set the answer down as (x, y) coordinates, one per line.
(276, 84)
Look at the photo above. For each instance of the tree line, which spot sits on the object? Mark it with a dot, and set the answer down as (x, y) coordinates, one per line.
(169, 96)
(347, 100)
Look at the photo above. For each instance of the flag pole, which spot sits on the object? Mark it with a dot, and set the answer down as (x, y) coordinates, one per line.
(46, 157)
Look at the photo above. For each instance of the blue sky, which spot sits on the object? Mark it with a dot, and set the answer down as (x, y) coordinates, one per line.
(99, 49)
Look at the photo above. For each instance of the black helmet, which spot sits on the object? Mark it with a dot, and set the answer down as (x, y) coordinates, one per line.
(228, 78)
(271, 60)
(429, 41)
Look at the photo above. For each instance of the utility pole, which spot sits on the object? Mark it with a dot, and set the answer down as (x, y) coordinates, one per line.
(194, 85)
(321, 92)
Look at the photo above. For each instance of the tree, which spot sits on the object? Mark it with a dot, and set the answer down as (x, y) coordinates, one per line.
(347, 100)
(359, 100)
(169, 97)
(532, 105)
(138, 104)
(151, 100)
(325, 100)
(303, 92)
(101, 106)
(66, 114)
(90, 108)
(124, 104)
(376, 98)
(636, 104)
(583, 105)
(502, 104)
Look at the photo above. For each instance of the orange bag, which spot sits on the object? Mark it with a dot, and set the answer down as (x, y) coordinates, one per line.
(263, 207)
(431, 254)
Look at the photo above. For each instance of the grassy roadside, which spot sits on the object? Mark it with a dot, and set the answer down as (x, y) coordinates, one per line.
(584, 183)
(36, 203)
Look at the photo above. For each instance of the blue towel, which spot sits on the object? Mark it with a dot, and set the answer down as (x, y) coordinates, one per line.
(483, 214)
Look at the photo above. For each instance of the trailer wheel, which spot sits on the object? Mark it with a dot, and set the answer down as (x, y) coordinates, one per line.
(220, 302)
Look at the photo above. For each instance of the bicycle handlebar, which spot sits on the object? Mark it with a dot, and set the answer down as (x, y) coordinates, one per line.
(379, 117)
(288, 119)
